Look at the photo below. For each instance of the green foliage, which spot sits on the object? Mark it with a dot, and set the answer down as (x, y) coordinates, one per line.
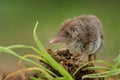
(112, 69)
(107, 72)
(43, 55)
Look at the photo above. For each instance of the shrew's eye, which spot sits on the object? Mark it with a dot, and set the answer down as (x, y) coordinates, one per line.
(67, 33)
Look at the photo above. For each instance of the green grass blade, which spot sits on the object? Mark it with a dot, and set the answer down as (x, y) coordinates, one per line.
(39, 44)
(48, 58)
(35, 57)
(97, 68)
(102, 74)
(100, 61)
(18, 46)
(34, 78)
(7, 50)
(115, 65)
(46, 74)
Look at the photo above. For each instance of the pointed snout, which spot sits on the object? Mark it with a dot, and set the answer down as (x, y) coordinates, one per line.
(57, 40)
(52, 41)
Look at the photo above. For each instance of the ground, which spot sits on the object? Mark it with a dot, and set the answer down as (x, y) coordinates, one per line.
(69, 61)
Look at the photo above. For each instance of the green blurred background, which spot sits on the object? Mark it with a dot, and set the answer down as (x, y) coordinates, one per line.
(18, 17)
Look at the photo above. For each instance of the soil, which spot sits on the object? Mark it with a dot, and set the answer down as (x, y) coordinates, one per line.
(69, 61)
